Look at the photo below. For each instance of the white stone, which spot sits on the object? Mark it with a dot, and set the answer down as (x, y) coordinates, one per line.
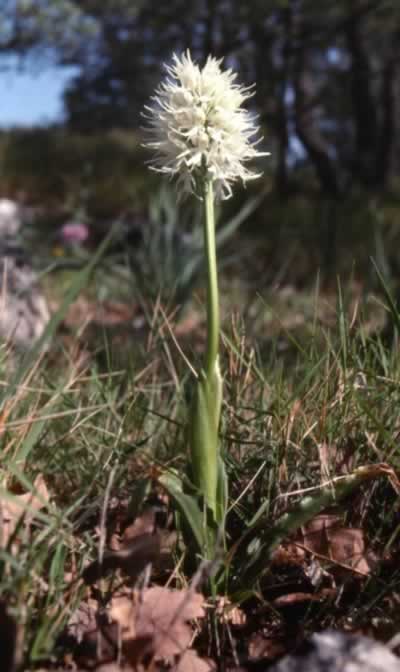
(10, 217)
(24, 312)
(333, 651)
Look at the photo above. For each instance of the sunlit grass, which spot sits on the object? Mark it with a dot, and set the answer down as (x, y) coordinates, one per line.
(296, 414)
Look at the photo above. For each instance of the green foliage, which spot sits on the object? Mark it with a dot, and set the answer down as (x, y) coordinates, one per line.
(326, 73)
(169, 260)
(103, 175)
(204, 417)
(333, 411)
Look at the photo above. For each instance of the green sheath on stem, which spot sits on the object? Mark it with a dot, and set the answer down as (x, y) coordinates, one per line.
(206, 405)
(203, 437)
(212, 279)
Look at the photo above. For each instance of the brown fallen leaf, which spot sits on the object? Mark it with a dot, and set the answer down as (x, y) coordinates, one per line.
(188, 324)
(131, 559)
(265, 647)
(92, 636)
(148, 522)
(113, 313)
(294, 608)
(105, 313)
(343, 457)
(143, 524)
(138, 650)
(288, 555)
(99, 645)
(315, 533)
(160, 614)
(83, 620)
(347, 547)
(190, 661)
(292, 599)
(328, 538)
(14, 507)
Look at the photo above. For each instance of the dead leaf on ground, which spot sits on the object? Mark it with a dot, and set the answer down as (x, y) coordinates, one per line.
(287, 555)
(131, 559)
(105, 313)
(190, 661)
(160, 614)
(95, 638)
(341, 457)
(143, 524)
(292, 599)
(125, 528)
(188, 324)
(113, 313)
(315, 533)
(264, 646)
(137, 650)
(326, 537)
(147, 523)
(347, 547)
(83, 620)
(15, 506)
(100, 645)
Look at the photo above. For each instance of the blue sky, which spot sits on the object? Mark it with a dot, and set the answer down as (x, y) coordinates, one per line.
(28, 98)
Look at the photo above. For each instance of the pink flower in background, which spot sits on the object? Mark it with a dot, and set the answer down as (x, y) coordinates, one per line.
(74, 232)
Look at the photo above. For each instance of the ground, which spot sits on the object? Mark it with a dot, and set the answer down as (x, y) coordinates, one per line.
(97, 564)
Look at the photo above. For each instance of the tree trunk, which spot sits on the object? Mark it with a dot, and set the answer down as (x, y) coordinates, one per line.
(366, 127)
(282, 122)
(307, 130)
(387, 136)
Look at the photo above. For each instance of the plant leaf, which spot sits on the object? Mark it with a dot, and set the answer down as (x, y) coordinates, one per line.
(191, 512)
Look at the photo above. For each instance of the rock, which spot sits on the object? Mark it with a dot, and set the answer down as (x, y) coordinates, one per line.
(24, 312)
(332, 651)
(10, 218)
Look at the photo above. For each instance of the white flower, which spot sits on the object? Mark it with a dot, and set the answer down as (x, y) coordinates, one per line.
(199, 129)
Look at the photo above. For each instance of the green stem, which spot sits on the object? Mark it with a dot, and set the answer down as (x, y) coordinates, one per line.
(212, 279)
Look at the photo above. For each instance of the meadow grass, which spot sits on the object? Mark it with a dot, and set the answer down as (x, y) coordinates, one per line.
(301, 407)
